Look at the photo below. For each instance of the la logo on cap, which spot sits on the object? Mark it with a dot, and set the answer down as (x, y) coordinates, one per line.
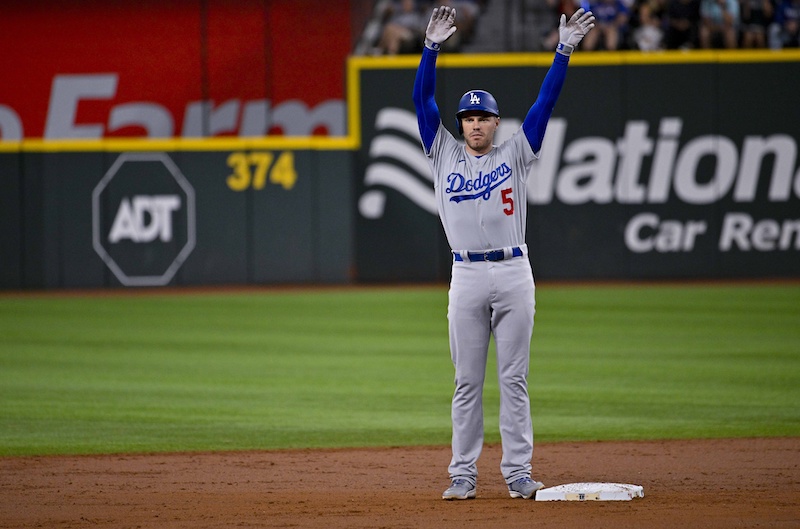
(474, 99)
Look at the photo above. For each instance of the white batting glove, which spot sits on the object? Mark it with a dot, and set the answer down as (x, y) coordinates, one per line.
(440, 27)
(572, 32)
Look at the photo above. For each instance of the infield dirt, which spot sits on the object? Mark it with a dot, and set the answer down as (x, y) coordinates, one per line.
(727, 483)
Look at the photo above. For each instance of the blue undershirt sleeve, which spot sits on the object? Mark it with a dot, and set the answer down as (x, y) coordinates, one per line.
(535, 122)
(428, 117)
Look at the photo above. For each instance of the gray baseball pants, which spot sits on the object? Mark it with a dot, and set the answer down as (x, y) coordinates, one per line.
(485, 299)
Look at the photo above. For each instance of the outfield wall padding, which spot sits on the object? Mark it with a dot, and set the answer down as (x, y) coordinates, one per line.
(683, 167)
(105, 219)
(679, 166)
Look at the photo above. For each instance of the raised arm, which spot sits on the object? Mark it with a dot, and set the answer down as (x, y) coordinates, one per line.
(570, 34)
(440, 27)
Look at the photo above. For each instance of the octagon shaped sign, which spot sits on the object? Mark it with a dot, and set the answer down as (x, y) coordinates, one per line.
(143, 219)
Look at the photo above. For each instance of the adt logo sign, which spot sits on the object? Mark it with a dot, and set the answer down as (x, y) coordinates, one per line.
(143, 219)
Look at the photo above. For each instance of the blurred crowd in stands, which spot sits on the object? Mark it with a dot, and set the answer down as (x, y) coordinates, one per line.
(645, 25)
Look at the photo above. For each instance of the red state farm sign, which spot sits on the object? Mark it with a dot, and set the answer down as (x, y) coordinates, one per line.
(156, 69)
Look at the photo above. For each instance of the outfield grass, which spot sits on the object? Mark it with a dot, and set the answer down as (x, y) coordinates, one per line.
(371, 367)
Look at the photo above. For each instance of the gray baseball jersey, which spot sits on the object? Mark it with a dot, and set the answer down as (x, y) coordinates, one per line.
(482, 201)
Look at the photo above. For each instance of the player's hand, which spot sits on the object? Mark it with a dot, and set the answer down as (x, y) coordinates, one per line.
(572, 32)
(440, 26)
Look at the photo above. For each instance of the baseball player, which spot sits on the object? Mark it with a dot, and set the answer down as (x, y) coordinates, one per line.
(481, 199)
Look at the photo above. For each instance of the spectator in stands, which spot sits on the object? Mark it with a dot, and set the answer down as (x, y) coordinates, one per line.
(647, 23)
(683, 23)
(785, 31)
(756, 17)
(611, 25)
(404, 29)
(719, 23)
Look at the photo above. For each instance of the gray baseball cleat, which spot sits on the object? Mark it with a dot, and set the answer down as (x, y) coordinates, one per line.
(524, 488)
(460, 489)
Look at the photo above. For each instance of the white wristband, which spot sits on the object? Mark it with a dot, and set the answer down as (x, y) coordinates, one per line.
(565, 49)
(435, 46)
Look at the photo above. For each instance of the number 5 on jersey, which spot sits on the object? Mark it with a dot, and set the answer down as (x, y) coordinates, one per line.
(508, 200)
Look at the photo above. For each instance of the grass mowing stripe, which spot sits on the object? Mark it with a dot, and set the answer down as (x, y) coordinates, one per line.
(210, 372)
(368, 367)
(684, 362)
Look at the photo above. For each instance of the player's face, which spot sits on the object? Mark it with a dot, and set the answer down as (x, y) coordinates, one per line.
(479, 129)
